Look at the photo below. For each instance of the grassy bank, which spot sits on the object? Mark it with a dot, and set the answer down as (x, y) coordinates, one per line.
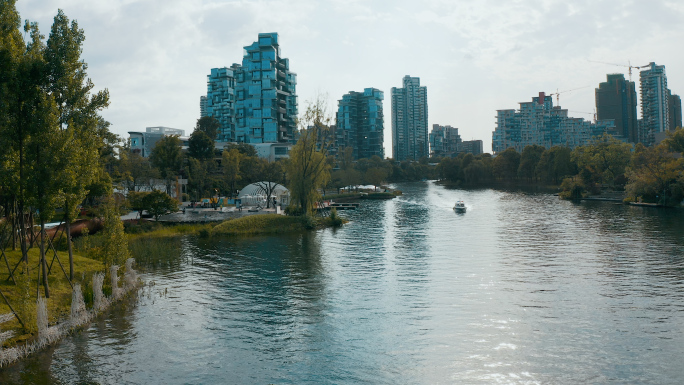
(22, 295)
(148, 229)
(264, 224)
(275, 224)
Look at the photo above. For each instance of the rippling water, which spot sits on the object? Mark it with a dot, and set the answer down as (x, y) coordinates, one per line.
(522, 289)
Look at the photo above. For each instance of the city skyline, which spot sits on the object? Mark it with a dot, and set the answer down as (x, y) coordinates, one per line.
(474, 59)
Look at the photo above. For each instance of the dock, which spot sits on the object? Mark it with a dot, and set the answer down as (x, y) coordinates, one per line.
(327, 205)
(344, 206)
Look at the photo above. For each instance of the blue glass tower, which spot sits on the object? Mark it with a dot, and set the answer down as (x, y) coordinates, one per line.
(266, 101)
(220, 101)
(360, 123)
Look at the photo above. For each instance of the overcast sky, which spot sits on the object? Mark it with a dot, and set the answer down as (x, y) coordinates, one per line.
(475, 56)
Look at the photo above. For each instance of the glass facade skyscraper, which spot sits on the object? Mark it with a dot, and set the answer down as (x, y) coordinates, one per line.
(409, 120)
(254, 102)
(360, 123)
(654, 103)
(220, 102)
(266, 100)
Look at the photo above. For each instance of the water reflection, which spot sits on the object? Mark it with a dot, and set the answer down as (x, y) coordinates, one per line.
(523, 288)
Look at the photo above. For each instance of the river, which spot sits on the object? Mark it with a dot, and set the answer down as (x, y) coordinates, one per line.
(522, 289)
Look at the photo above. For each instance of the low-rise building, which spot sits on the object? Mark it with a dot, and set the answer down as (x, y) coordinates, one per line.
(142, 142)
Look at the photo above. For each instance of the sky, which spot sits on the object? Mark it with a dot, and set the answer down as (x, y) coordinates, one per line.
(475, 57)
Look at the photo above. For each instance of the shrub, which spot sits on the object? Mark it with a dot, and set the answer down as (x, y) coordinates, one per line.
(573, 189)
(294, 211)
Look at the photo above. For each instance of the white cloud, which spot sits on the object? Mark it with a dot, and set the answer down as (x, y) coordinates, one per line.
(474, 56)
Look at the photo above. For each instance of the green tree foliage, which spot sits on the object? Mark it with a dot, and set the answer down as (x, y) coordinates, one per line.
(572, 188)
(198, 178)
(556, 164)
(115, 243)
(230, 162)
(137, 202)
(450, 169)
(85, 132)
(528, 162)
(134, 172)
(159, 203)
(656, 175)
(200, 146)
(209, 126)
(167, 157)
(49, 122)
(603, 161)
(308, 169)
(245, 149)
(506, 164)
(675, 140)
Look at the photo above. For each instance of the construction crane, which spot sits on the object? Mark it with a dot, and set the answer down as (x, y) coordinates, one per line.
(629, 65)
(557, 93)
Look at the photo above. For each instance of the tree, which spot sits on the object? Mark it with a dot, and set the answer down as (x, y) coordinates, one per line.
(159, 203)
(604, 160)
(230, 161)
(675, 140)
(656, 175)
(115, 242)
(209, 126)
(506, 164)
(272, 175)
(166, 156)
(137, 201)
(308, 169)
(200, 146)
(375, 176)
(134, 171)
(555, 164)
(528, 162)
(351, 177)
(24, 105)
(245, 149)
(86, 132)
(198, 177)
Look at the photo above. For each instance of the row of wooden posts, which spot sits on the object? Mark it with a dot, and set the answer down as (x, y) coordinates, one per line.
(23, 232)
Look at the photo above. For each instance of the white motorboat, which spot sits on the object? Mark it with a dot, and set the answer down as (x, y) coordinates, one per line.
(460, 207)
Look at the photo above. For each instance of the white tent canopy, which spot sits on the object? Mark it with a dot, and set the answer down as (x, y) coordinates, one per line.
(255, 194)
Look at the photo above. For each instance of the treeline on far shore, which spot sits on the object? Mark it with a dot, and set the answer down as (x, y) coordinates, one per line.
(648, 174)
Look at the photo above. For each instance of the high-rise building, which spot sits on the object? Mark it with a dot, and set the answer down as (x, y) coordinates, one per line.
(360, 123)
(410, 120)
(203, 106)
(254, 102)
(674, 106)
(616, 99)
(266, 101)
(654, 103)
(220, 101)
(539, 122)
(444, 141)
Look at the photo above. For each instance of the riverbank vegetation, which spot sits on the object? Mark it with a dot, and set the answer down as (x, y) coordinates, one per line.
(55, 150)
(264, 224)
(647, 174)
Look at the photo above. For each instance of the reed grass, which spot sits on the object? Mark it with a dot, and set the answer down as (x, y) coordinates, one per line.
(262, 224)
